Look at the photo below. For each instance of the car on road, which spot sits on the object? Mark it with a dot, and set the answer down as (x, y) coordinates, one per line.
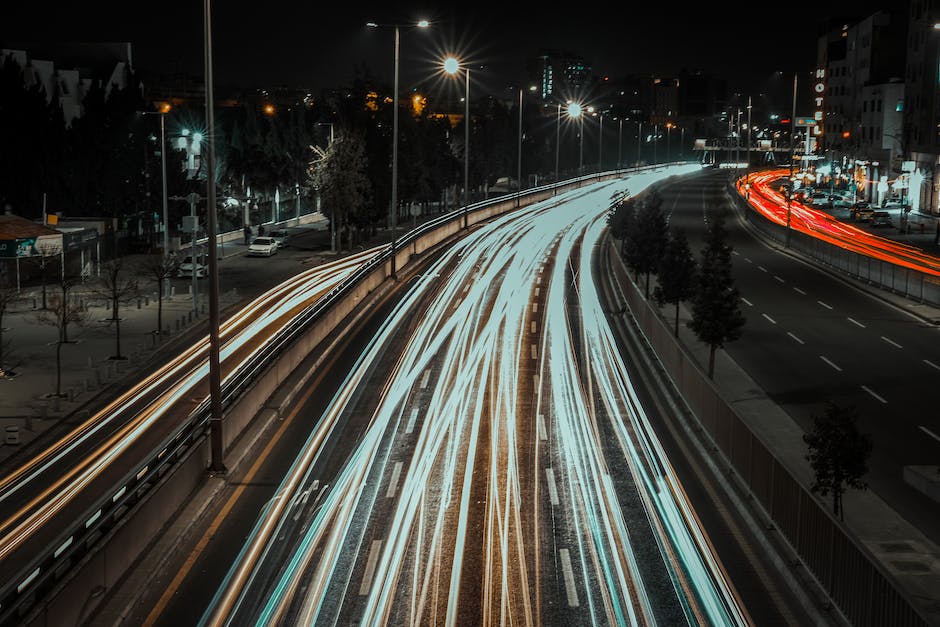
(262, 247)
(881, 218)
(186, 267)
(820, 199)
(280, 237)
(864, 213)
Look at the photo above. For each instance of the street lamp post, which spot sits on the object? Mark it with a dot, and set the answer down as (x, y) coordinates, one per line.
(452, 66)
(393, 210)
(215, 375)
(620, 144)
(639, 135)
(166, 231)
(668, 134)
(600, 144)
(557, 142)
(747, 173)
(332, 209)
(792, 142)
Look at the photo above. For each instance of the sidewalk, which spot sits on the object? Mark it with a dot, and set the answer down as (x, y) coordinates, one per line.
(28, 401)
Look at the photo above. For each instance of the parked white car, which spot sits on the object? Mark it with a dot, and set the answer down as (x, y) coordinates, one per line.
(262, 247)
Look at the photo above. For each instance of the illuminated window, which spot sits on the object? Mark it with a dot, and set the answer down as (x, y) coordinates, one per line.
(899, 107)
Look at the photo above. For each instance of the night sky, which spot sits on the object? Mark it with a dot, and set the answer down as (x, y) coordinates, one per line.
(315, 45)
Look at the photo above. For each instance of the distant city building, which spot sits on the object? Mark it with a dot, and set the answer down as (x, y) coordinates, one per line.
(561, 76)
(922, 104)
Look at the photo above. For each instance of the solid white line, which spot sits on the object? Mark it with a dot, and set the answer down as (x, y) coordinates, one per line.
(824, 304)
(569, 578)
(931, 364)
(856, 322)
(930, 433)
(747, 302)
(411, 420)
(393, 481)
(370, 568)
(552, 488)
(875, 395)
(830, 363)
(772, 321)
(798, 290)
(424, 379)
(543, 432)
(891, 342)
(796, 338)
(779, 279)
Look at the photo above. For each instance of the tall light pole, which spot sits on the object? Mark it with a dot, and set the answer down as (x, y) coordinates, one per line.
(164, 109)
(600, 143)
(393, 210)
(557, 143)
(747, 173)
(792, 142)
(620, 145)
(669, 126)
(655, 143)
(452, 66)
(575, 111)
(639, 135)
(215, 378)
(332, 210)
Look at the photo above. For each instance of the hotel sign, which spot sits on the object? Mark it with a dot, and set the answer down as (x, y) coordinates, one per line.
(819, 99)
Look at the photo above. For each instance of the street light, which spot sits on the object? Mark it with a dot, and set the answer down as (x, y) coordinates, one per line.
(575, 111)
(164, 109)
(669, 126)
(639, 135)
(332, 209)
(792, 142)
(452, 66)
(519, 162)
(393, 210)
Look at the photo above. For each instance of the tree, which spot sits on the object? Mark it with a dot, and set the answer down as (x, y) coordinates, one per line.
(8, 295)
(60, 313)
(159, 269)
(677, 270)
(339, 175)
(838, 454)
(716, 308)
(647, 239)
(119, 288)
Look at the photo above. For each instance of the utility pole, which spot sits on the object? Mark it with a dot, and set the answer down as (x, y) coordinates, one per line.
(792, 143)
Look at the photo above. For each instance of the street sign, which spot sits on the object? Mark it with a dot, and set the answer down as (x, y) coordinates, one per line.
(805, 121)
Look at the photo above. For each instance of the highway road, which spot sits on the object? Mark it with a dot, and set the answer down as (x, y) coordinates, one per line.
(477, 453)
(812, 337)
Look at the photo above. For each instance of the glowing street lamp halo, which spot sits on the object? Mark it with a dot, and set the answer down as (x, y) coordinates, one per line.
(451, 65)
(574, 109)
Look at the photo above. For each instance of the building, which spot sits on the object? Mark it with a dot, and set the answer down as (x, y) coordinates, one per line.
(921, 115)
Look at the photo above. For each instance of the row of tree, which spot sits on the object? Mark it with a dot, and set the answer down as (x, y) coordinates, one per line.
(838, 451)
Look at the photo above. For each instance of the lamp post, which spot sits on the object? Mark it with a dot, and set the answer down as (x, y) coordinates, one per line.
(166, 231)
(557, 142)
(655, 143)
(332, 210)
(215, 376)
(519, 162)
(669, 126)
(747, 173)
(792, 142)
(452, 66)
(600, 143)
(620, 144)
(575, 111)
(639, 135)
(393, 210)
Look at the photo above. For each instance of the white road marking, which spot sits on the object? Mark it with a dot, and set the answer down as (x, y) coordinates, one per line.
(867, 389)
(393, 481)
(543, 432)
(734, 252)
(370, 568)
(762, 268)
(570, 589)
(747, 259)
(796, 338)
(772, 321)
(799, 291)
(779, 279)
(534, 327)
(535, 381)
(466, 287)
(824, 304)
(535, 307)
(535, 351)
(538, 279)
(552, 488)
(931, 364)
(856, 323)
(747, 302)
(891, 342)
(537, 290)
(411, 420)
(424, 379)
(830, 363)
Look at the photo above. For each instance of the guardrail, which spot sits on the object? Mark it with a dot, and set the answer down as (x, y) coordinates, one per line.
(26, 594)
(906, 282)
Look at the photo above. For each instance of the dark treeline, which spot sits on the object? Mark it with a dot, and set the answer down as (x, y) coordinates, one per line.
(106, 163)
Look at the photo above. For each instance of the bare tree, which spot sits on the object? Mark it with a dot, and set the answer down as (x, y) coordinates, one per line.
(160, 269)
(60, 313)
(118, 284)
(8, 295)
